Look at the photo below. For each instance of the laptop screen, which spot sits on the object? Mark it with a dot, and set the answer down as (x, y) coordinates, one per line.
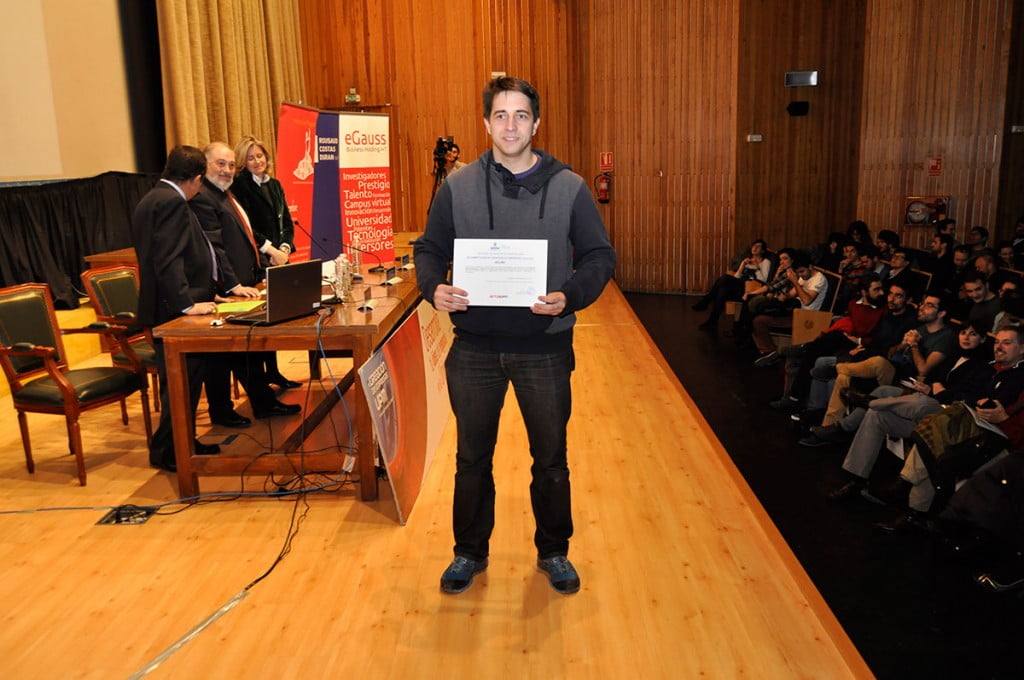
(293, 290)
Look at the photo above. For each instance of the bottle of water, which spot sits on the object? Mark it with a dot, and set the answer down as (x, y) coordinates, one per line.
(357, 255)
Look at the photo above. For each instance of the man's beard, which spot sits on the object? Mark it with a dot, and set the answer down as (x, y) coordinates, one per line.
(219, 183)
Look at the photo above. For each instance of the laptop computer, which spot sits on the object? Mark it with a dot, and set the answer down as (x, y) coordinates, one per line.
(293, 290)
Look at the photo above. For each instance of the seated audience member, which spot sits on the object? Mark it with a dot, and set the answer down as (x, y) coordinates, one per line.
(982, 304)
(829, 254)
(851, 269)
(1004, 250)
(934, 464)
(989, 264)
(897, 416)
(899, 273)
(977, 239)
(1018, 243)
(988, 509)
(858, 233)
(887, 242)
(771, 298)
(872, 262)
(1011, 306)
(919, 355)
(899, 318)
(942, 268)
(946, 226)
(754, 267)
(853, 330)
(809, 287)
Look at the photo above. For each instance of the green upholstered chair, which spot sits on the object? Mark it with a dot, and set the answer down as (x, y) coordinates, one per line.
(33, 359)
(114, 295)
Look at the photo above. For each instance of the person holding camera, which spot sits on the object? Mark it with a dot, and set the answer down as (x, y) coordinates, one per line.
(451, 159)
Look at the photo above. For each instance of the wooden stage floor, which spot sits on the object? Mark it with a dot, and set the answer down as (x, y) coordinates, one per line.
(683, 573)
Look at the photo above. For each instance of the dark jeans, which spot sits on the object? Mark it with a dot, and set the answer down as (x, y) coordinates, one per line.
(477, 382)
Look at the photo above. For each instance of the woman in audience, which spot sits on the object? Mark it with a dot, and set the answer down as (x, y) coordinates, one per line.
(858, 232)
(768, 298)
(754, 267)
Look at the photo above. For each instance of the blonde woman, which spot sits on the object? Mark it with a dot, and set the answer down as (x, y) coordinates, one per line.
(263, 200)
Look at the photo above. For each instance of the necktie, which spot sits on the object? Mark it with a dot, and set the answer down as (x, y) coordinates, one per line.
(246, 227)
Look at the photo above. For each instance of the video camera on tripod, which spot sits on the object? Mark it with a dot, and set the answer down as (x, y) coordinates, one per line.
(441, 149)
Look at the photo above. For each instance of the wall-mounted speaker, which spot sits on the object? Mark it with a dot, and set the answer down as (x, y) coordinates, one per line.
(798, 108)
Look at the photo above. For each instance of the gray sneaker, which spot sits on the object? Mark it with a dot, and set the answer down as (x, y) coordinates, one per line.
(768, 359)
(458, 577)
(561, 574)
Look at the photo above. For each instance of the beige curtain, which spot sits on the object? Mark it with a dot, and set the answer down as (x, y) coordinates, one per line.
(227, 66)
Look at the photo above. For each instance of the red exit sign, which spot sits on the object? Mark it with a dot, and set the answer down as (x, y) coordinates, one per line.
(606, 161)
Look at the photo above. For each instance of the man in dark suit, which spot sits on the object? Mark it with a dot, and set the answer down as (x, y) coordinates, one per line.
(228, 229)
(177, 276)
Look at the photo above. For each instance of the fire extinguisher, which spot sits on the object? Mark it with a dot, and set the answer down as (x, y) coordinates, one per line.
(603, 187)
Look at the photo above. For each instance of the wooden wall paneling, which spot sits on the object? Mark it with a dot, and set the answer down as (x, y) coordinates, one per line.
(1011, 173)
(800, 183)
(946, 64)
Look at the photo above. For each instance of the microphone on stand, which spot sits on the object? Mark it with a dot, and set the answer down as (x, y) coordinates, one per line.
(380, 263)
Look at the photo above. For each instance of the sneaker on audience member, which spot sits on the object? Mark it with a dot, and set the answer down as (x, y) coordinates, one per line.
(833, 434)
(561, 574)
(812, 441)
(785, 404)
(459, 575)
(768, 359)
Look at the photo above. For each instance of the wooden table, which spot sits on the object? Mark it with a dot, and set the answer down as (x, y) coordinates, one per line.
(112, 257)
(345, 329)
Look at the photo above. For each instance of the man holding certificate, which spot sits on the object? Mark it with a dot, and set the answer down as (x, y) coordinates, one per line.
(527, 248)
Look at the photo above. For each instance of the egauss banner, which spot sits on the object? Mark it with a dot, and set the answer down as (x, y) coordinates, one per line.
(336, 173)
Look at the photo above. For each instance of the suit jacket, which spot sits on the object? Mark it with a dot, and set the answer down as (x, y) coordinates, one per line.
(229, 236)
(175, 265)
(267, 210)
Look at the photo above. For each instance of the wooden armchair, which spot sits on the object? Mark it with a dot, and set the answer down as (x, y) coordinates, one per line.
(114, 295)
(33, 359)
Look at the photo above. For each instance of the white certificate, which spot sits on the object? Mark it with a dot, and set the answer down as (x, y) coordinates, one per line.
(506, 272)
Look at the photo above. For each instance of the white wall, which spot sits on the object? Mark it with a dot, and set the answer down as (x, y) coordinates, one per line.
(62, 78)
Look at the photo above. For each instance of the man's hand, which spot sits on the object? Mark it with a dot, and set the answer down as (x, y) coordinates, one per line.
(450, 299)
(994, 415)
(244, 291)
(200, 308)
(551, 304)
(911, 337)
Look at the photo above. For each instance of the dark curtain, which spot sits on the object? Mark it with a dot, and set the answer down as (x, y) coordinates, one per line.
(46, 230)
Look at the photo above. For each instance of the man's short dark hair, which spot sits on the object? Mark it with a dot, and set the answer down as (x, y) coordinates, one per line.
(865, 281)
(1016, 329)
(506, 84)
(980, 231)
(907, 293)
(974, 277)
(889, 237)
(801, 259)
(184, 163)
(940, 296)
(963, 248)
(946, 239)
(869, 249)
(901, 251)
